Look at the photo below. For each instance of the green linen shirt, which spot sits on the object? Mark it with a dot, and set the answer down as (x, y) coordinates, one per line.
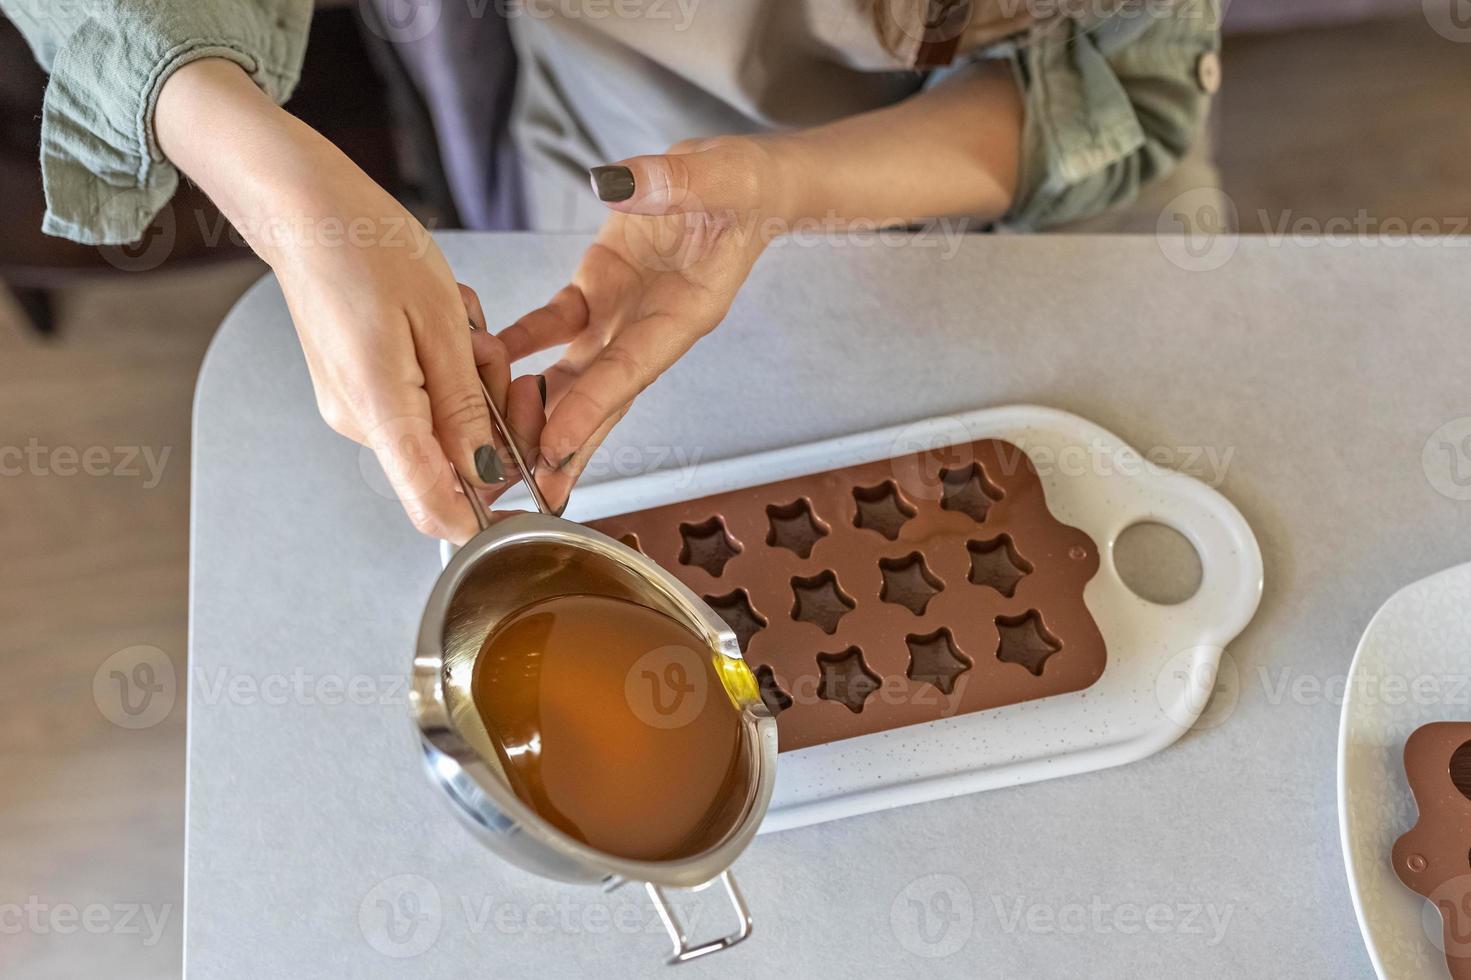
(1113, 98)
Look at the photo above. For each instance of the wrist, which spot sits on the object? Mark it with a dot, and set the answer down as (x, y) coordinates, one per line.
(269, 173)
(794, 178)
(214, 124)
(198, 107)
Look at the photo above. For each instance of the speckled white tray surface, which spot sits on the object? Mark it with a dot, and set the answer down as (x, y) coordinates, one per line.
(1413, 667)
(1162, 660)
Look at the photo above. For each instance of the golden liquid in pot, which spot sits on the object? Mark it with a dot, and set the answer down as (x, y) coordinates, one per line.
(612, 724)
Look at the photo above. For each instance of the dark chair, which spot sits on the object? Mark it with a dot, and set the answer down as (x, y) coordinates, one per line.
(341, 94)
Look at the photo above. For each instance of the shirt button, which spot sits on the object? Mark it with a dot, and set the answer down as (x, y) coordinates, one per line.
(1208, 72)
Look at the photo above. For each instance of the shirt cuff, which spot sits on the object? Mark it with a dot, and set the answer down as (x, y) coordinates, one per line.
(101, 168)
(1109, 107)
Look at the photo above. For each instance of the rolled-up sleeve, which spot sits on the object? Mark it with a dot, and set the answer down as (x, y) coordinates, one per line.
(103, 174)
(1111, 104)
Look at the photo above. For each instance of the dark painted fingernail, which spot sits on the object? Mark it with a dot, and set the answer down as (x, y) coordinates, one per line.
(541, 386)
(612, 183)
(488, 465)
(554, 465)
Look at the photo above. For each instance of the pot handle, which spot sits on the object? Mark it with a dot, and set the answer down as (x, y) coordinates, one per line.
(683, 952)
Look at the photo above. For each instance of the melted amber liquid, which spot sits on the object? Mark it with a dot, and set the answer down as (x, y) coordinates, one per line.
(611, 723)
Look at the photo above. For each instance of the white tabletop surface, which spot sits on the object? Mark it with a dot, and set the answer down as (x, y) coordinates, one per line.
(318, 848)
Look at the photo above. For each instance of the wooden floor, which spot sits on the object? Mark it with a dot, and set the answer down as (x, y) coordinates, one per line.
(1315, 125)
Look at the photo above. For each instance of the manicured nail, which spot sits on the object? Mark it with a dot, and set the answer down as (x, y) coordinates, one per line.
(541, 386)
(488, 465)
(556, 465)
(612, 183)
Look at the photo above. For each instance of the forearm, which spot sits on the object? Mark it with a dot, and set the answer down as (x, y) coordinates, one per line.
(951, 150)
(275, 178)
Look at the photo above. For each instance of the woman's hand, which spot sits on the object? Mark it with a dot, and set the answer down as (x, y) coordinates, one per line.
(689, 225)
(382, 321)
(686, 230)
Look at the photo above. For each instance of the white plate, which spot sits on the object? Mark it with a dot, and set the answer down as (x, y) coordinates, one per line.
(1162, 660)
(1413, 666)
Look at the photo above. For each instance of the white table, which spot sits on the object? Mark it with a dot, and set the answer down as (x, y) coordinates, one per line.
(1322, 370)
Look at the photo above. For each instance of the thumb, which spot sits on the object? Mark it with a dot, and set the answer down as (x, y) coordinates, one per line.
(728, 175)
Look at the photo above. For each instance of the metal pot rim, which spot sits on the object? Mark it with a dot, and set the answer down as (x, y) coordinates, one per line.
(502, 814)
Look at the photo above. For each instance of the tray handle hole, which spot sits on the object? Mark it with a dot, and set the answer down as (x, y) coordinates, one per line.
(1157, 563)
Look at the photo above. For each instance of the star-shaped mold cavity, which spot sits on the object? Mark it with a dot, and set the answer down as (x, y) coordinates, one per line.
(736, 609)
(846, 679)
(934, 659)
(821, 601)
(708, 545)
(631, 540)
(908, 582)
(882, 508)
(772, 695)
(968, 490)
(1024, 640)
(997, 564)
(794, 527)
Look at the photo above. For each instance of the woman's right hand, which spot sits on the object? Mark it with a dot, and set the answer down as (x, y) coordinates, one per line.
(382, 321)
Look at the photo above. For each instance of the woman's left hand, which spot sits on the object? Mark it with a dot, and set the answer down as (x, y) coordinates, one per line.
(685, 231)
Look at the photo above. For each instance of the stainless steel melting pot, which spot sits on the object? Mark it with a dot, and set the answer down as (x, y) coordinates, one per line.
(518, 559)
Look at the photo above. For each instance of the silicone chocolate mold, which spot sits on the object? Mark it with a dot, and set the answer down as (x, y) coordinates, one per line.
(1434, 857)
(891, 593)
(735, 609)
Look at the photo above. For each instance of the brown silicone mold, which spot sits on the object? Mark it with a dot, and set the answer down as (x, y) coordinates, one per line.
(892, 593)
(1434, 857)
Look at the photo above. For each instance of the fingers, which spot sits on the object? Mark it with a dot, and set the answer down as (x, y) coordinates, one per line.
(411, 457)
(628, 365)
(457, 405)
(493, 365)
(473, 309)
(725, 175)
(525, 415)
(556, 323)
(556, 485)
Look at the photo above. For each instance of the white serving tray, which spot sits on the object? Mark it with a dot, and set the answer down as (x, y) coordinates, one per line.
(1161, 659)
(1411, 668)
